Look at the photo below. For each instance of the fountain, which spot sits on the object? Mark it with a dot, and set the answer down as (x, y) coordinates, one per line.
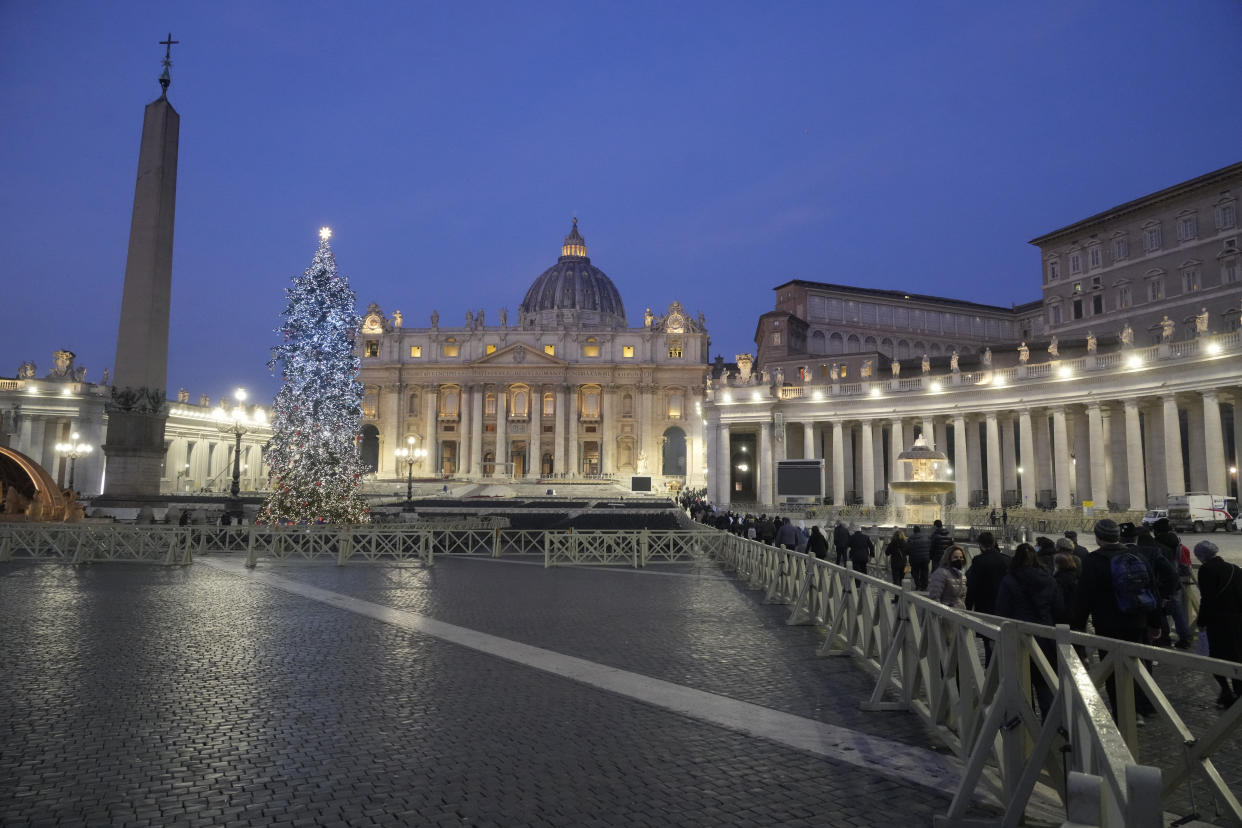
(925, 480)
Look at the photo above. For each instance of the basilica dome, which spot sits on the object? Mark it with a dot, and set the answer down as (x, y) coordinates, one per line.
(573, 291)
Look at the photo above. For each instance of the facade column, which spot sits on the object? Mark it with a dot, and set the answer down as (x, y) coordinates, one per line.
(646, 430)
(431, 430)
(1134, 457)
(961, 464)
(1009, 460)
(476, 431)
(571, 433)
(868, 465)
(558, 445)
(995, 492)
(767, 466)
(1174, 473)
(466, 410)
(1099, 451)
(1028, 479)
(1214, 445)
(502, 431)
(534, 452)
(895, 447)
(838, 463)
(724, 466)
(390, 433)
(1061, 457)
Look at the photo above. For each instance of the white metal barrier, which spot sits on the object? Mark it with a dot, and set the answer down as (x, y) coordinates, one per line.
(931, 660)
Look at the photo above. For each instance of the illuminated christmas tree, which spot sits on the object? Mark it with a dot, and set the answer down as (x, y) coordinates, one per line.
(313, 453)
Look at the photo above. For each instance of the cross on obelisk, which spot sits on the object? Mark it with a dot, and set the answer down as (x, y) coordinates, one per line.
(165, 78)
(135, 443)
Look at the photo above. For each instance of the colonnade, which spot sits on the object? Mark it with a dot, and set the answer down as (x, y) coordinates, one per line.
(36, 435)
(1131, 452)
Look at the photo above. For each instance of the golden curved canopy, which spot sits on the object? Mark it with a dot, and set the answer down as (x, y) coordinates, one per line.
(30, 492)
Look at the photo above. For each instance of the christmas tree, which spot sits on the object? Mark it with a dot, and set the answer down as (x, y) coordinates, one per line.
(313, 453)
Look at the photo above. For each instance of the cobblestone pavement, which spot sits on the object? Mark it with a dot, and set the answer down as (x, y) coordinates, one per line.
(154, 696)
(144, 695)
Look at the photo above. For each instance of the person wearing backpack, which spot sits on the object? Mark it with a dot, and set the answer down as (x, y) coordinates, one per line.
(1163, 559)
(1220, 614)
(1117, 592)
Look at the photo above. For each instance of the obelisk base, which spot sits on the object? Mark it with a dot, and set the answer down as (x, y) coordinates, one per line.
(135, 452)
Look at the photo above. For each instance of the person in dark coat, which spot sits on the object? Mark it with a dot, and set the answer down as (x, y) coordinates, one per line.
(1029, 593)
(985, 574)
(918, 553)
(817, 545)
(1220, 614)
(862, 550)
(787, 535)
(1095, 599)
(1080, 551)
(1066, 575)
(841, 540)
(941, 540)
(896, 552)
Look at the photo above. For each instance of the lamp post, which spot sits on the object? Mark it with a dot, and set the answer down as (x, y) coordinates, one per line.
(411, 456)
(73, 450)
(237, 422)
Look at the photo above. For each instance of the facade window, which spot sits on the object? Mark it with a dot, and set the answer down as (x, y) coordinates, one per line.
(590, 404)
(674, 406)
(591, 348)
(1097, 305)
(1226, 216)
(1094, 259)
(1054, 270)
(413, 409)
(1121, 249)
(416, 351)
(1096, 282)
(1075, 264)
(489, 405)
(372, 348)
(1151, 238)
(627, 351)
(1187, 228)
(776, 339)
(1054, 315)
(1155, 290)
(549, 404)
(550, 350)
(627, 405)
(1077, 287)
(449, 350)
(370, 403)
(448, 402)
(1077, 306)
(520, 400)
(674, 347)
(1190, 280)
(490, 348)
(1124, 299)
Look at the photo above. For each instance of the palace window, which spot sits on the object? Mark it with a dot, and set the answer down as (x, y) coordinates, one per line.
(1094, 258)
(1121, 249)
(1155, 290)
(490, 348)
(1226, 215)
(550, 350)
(1077, 306)
(1190, 280)
(1124, 300)
(627, 351)
(1054, 270)
(1097, 304)
(416, 351)
(1075, 264)
(1187, 227)
(372, 348)
(1151, 238)
(1229, 271)
(1054, 315)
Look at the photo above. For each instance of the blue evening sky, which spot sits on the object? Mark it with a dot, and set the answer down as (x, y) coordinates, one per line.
(710, 150)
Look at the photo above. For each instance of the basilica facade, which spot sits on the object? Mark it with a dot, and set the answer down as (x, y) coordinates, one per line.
(567, 390)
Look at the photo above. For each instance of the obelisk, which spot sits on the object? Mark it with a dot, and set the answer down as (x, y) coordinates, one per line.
(137, 411)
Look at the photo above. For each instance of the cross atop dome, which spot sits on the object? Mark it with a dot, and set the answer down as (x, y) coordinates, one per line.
(574, 244)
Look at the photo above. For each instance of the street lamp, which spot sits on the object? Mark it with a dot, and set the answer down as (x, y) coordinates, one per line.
(237, 422)
(411, 456)
(73, 450)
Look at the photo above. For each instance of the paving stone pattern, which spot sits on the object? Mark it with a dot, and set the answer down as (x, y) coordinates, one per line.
(143, 695)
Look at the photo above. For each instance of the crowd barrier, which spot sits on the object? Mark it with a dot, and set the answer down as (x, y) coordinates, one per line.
(929, 659)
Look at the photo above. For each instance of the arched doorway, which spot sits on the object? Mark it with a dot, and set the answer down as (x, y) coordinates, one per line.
(674, 454)
(368, 450)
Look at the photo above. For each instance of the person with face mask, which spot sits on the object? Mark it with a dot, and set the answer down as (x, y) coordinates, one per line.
(948, 582)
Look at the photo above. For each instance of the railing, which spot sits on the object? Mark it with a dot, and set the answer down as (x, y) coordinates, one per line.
(84, 543)
(927, 659)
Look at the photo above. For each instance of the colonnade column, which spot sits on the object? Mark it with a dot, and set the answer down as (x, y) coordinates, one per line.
(995, 494)
(724, 467)
(895, 448)
(767, 466)
(1174, 475)
(502, 432)
(1028, 478)
(1214, 444)
(1134, 457)
(1099, 450)
(929, 432)
(808, 441)
(974, 458)
(1196, 449)
(1009, 459)
(961, 471)
(1061, 458)
(838, 463)
(868, 465)
(476, 431)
